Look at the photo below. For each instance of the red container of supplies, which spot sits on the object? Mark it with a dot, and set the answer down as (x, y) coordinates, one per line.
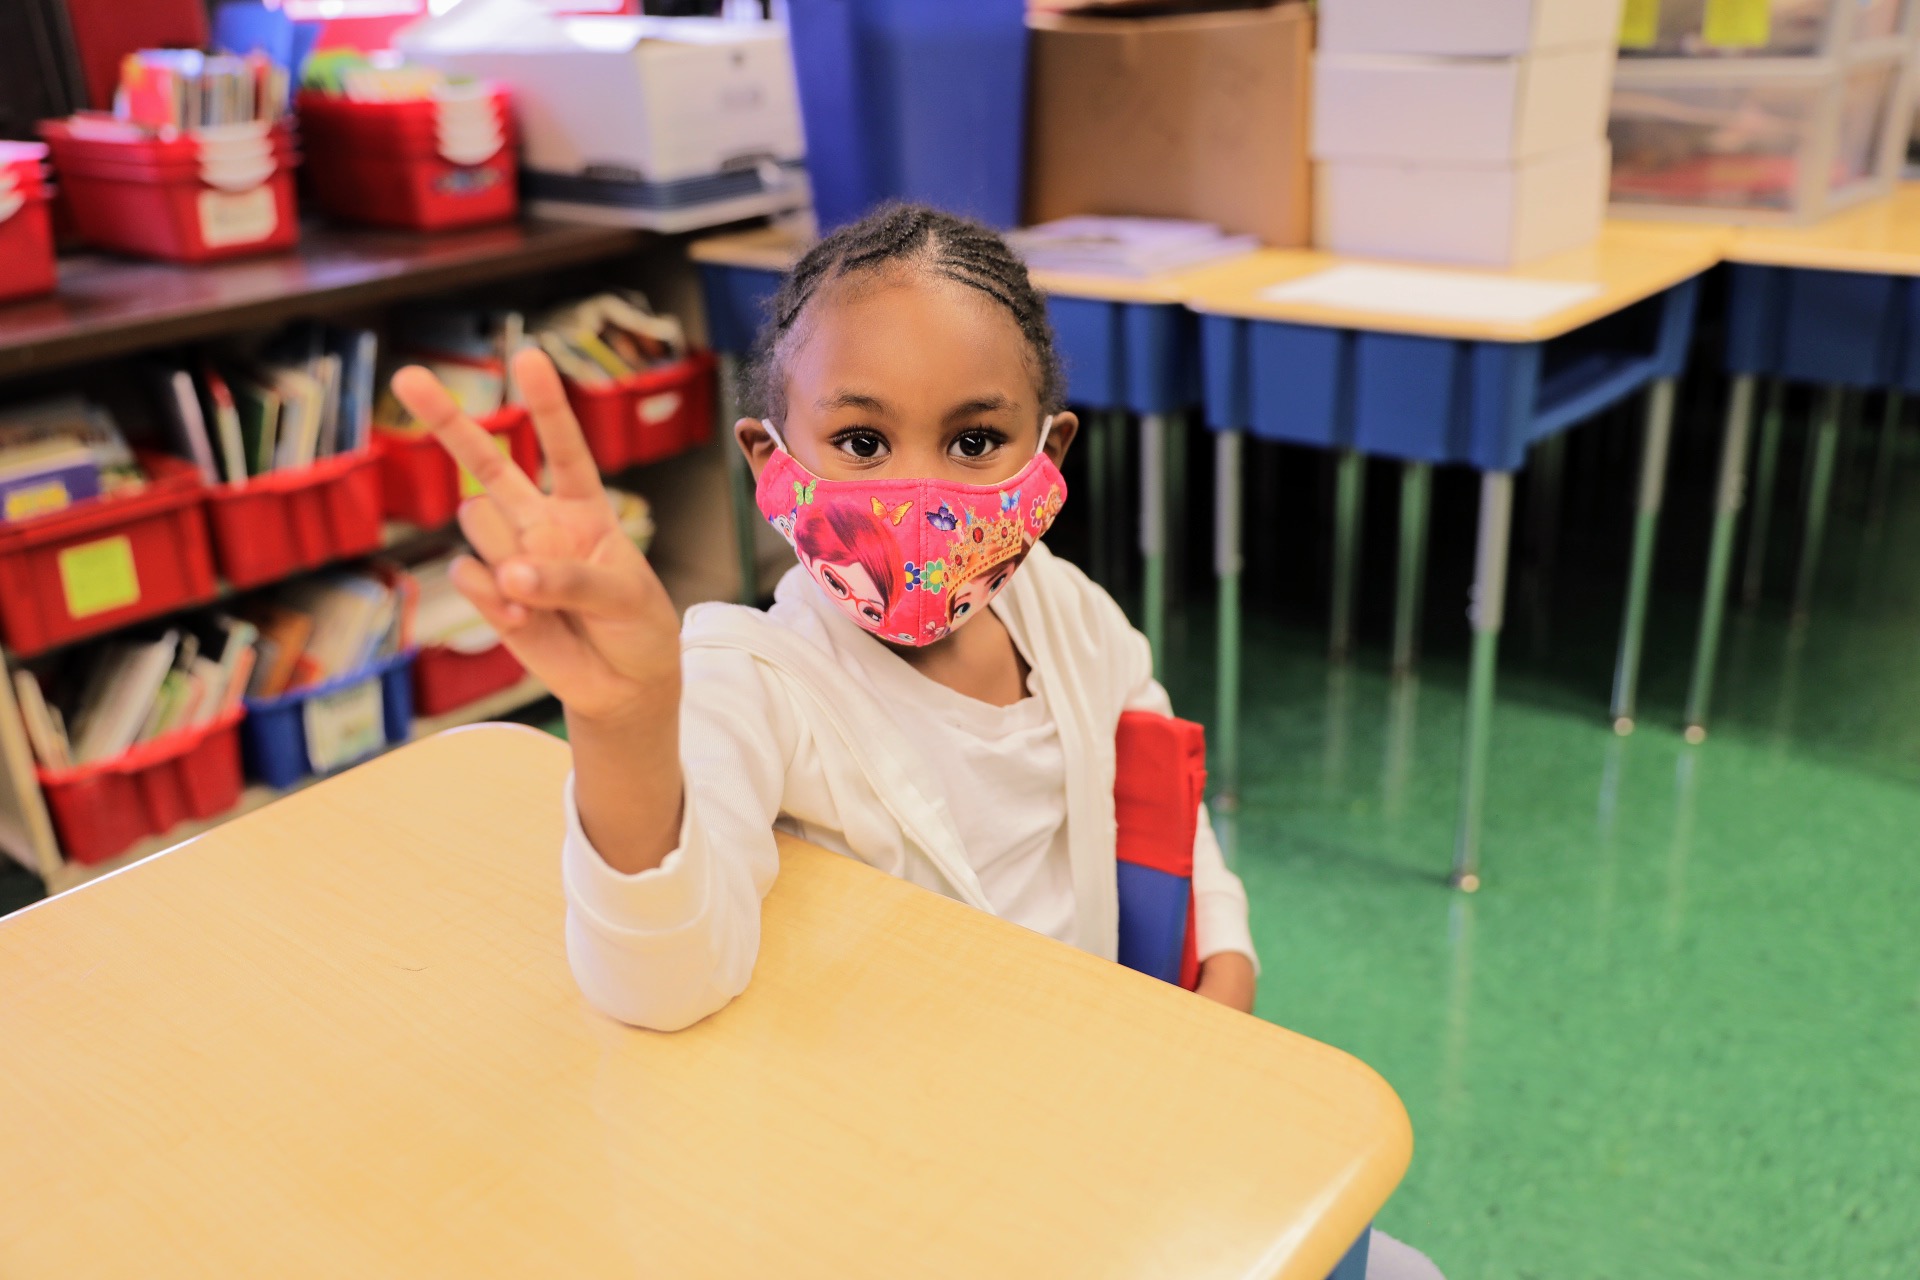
(223, 192)
(422, 484)
(647, 416)
(280, 523)
(105, 562)
(426, 165)
(100, 810)
(26, 223)
(446, 679)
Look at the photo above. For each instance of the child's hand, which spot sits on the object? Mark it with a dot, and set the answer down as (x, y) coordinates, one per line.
(1227, 978)
(570, 594)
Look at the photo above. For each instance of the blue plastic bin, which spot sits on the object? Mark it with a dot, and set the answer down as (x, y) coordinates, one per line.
(274, 734)
(913, 100)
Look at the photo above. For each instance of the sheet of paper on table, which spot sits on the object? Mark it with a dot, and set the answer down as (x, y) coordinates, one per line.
(1420, 291)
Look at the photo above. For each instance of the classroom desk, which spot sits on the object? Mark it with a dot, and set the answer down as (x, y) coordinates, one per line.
(1832, 304)
(1431, 389)
(338, 1037)
(1128, 346)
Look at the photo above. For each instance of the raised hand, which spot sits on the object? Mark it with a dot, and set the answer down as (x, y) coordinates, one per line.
(570, 594)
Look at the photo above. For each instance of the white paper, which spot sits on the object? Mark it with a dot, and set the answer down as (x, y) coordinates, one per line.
(1439, 295)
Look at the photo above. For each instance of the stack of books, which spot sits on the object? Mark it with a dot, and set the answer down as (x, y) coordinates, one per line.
(600, 340)
(103, 702)
(56, 452)
(306, 397)
(333, 625)
(1130, 248)
(176, 90)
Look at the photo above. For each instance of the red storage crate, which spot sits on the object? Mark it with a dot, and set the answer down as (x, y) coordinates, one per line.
(423, 485)
(106, 562)
(446, 679)
(99, 810)
(280, 523)
(26, 223)
(424, 166)
(194, 197)
(648, 416)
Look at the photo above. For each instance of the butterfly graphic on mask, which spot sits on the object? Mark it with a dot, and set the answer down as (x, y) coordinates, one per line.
(803, 493)
(1010, 501)
(943, 519)
(893, 515)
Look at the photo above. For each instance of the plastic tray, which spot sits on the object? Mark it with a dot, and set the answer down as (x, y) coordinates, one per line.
(446, 679)
(99, 810)
(410, 164)
(1779, 29)
(330, 726)
(280, 523)
(648, 416)
(26, 226)
(420, 482)
(106, 562)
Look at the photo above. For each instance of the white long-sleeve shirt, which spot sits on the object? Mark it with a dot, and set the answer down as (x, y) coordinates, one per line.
(798, 719)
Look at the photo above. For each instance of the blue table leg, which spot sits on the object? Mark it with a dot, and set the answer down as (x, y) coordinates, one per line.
(1760, 501)
(1726, 515)
(1349, 494)
(1416, 486)
(1487, 612)
(1227, 566)
(1353, 1265)
(1826, 441)
(1153, 532)
(1646, 528)
(746, 515)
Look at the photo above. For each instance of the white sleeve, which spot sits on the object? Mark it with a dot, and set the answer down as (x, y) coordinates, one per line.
(1219, 899)
(665, 948)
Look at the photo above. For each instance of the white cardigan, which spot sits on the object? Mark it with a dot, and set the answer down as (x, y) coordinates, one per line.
(776, 732)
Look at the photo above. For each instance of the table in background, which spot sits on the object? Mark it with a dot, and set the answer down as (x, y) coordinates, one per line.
(1833, 304)
(1428, 390)
(338, 1036)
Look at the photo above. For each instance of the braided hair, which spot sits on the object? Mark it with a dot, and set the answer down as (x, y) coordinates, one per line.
(914, 237)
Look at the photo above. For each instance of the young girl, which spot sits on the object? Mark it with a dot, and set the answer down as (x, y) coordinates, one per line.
(932, 691)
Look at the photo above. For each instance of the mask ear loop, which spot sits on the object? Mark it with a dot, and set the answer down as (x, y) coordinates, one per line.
(1046, 429)
(775, 433)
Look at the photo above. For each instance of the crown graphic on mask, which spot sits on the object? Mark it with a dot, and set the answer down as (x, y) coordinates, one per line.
(984, 545)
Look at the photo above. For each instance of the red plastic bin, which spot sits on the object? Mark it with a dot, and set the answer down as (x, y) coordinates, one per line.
(285, 521)
(395, 164)
(446, 679)
(104, 563)
(26, 225)
(422, 484)
(193, 197)
(648, 416)
(99, 810)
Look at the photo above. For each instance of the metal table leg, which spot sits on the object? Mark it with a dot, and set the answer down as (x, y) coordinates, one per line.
(1760, 502)
(1153, 532)
(1646, 529)
(1826, 442)
(1416, 487)
(1349, 493)
(1176, 504)
(746, 515)
(1118, 427)
(1227, 566)
(1884, 452)
(1099, 496)
(1486, 613)
(1726, 515)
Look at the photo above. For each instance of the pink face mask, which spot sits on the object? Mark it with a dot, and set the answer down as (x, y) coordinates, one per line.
(910, 559)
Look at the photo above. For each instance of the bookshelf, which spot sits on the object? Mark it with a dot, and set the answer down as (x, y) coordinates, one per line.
(108, 308)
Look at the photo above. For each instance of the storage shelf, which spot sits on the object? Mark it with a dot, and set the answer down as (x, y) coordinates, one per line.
(109, 306)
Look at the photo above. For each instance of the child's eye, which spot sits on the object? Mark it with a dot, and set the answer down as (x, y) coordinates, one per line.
(864, 445)
(977, 443)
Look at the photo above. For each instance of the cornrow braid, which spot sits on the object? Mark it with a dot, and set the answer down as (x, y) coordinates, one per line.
(915, 236)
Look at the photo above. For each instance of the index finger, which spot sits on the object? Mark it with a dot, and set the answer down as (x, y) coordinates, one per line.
(472, 447)
(575, 473)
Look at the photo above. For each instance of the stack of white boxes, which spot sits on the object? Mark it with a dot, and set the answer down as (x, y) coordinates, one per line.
(1462, 131)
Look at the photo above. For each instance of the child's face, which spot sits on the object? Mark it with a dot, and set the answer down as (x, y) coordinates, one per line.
(852, 588)
(902, 374)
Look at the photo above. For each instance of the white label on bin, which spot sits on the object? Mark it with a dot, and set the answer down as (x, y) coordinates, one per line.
(655, 410)
(345, 726)
(229, 218)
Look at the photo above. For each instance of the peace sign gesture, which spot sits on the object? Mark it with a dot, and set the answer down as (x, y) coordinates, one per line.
(570, 594)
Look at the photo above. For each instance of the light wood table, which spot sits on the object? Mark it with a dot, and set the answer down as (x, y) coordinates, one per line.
(1427, 388)
(338, 1037)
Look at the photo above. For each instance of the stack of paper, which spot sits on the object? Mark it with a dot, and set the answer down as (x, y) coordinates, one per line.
(1125, 247)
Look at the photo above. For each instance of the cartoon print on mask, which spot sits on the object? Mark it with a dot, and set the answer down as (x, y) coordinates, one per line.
(852, 554)
(802, 493)
(930, 577)
(784, 524)
(981, 560)
(893, 515)
(943, 519)
(1010, 501)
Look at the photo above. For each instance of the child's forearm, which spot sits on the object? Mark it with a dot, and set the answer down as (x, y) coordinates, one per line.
(627, 783)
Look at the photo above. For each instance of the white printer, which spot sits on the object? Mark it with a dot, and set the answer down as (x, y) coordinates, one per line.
(667, 123)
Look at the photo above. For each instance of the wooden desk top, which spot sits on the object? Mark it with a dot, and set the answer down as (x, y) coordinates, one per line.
(338, 1037)
(1881, 236)
(1629, 261)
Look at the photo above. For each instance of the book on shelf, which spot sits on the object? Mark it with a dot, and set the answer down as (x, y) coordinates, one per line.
(332, 625)
(59, 451)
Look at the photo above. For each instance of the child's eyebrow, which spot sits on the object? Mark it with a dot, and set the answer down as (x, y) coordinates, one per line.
(851, 400)
(979, 405)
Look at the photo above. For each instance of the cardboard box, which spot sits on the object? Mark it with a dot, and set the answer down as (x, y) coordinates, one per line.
(1368, 106)
(1201, 116)
(1465, 28)
(1488, 215)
